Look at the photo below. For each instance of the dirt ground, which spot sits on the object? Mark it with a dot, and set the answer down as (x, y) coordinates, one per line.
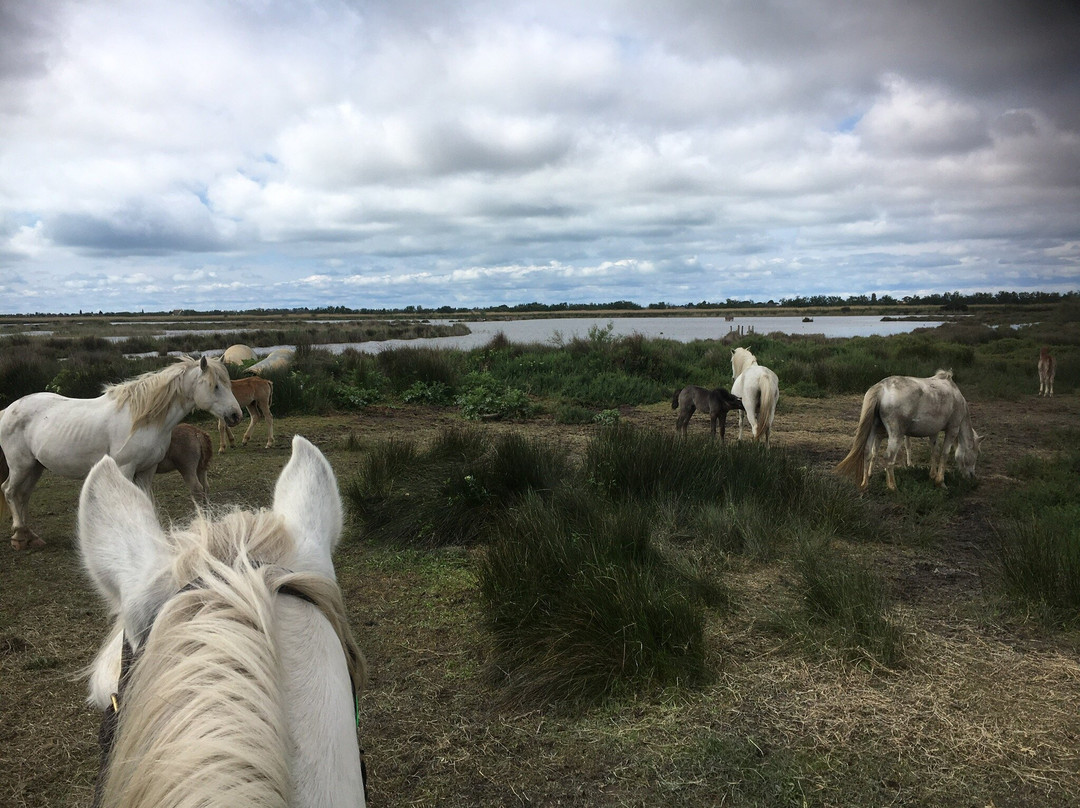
(987, 713)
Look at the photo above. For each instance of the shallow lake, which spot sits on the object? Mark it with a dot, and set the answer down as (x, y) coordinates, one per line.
(680, 329)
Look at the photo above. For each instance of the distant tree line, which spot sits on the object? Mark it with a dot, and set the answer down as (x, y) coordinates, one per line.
(948, 301)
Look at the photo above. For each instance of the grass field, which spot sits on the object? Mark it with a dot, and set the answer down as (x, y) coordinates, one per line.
(979, 709)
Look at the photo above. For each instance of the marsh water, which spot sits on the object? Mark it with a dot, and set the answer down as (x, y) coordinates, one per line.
(555, 330)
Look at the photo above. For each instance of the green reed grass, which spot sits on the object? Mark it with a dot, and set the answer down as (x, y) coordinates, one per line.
(845, 609)
(580, 604)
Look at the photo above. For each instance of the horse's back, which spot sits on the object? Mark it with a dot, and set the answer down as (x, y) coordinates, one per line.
(920, 407)
(65, 435)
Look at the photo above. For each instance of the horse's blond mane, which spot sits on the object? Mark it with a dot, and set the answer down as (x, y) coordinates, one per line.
(203, 719)
(943, 374)
(150, 394)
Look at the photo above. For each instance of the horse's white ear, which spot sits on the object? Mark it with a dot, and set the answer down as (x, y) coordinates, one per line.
(306, 497)
(121, 542)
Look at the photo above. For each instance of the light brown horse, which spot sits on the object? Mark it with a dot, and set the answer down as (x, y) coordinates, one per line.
(715, 403)
(189, 453)
(1047, 368)
(255, 394)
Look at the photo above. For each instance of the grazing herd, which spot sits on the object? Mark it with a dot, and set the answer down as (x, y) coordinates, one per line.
(895, 409)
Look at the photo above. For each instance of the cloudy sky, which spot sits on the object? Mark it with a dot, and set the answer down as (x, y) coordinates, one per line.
(382, 153)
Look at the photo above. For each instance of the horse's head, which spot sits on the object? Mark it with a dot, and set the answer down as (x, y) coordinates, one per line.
(213, 392)
(967, 452)
(731, 401)
(132, 561)
(228, 612)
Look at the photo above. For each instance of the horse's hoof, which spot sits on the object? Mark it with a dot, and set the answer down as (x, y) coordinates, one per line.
(24, 537)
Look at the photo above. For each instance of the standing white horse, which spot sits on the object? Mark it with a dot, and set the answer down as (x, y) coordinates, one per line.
(759, 390)
(131, 421)
(231, 675)
(906, 405)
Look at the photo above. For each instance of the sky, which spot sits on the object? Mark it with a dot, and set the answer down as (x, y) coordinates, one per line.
(157, 155)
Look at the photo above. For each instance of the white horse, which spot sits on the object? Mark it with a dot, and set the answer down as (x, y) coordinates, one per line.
(759, 390)
(132, 422)
(231, 675)
(905, 405)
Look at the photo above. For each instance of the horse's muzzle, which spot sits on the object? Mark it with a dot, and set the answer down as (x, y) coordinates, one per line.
(232, 419)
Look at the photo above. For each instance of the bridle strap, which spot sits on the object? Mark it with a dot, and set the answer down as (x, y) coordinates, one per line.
(111, 717)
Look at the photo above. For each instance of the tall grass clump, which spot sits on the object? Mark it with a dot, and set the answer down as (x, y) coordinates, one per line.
(406, 367)
(845, 609)
(1038, 540)
(23, 372)
(580, 604)
(449, 492)
(628, 463)
(1039, 558)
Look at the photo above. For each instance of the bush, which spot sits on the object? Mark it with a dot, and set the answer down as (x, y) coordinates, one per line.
(487, 399)
(428, 393)
(607, 417)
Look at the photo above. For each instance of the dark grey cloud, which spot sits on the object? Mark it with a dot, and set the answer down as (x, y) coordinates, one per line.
(135, 230)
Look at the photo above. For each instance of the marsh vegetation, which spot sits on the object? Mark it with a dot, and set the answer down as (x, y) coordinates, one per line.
(563, 602)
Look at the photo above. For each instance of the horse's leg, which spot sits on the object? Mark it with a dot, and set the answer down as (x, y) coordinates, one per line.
(891, 453)
(253, 413)
(17, 488)
(269, 425)
(712, 422)
(948, 441)
(193, 483)
(221, 428)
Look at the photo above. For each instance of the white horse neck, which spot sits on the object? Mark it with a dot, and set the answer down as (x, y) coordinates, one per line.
(741, 360)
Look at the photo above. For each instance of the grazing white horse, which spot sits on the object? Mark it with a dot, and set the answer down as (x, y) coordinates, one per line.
(231, 675)
(759, 390)
(1047, 369)
(131, 422)
(906, 405)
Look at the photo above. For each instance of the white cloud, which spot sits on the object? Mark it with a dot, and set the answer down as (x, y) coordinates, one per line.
(575, 151)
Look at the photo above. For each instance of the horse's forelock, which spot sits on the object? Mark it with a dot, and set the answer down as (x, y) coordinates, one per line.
(193, 657)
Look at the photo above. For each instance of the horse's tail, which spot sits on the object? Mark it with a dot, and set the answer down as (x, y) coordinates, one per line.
(767, 395)
(675, 400)
(853, 465)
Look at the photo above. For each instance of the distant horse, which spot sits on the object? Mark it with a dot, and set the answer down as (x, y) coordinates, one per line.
(190, 452)
(255, 394)
(905, 405)
(231, 676)
(759, 390)
(131, 421)
(1047, 369)
(715, 403)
